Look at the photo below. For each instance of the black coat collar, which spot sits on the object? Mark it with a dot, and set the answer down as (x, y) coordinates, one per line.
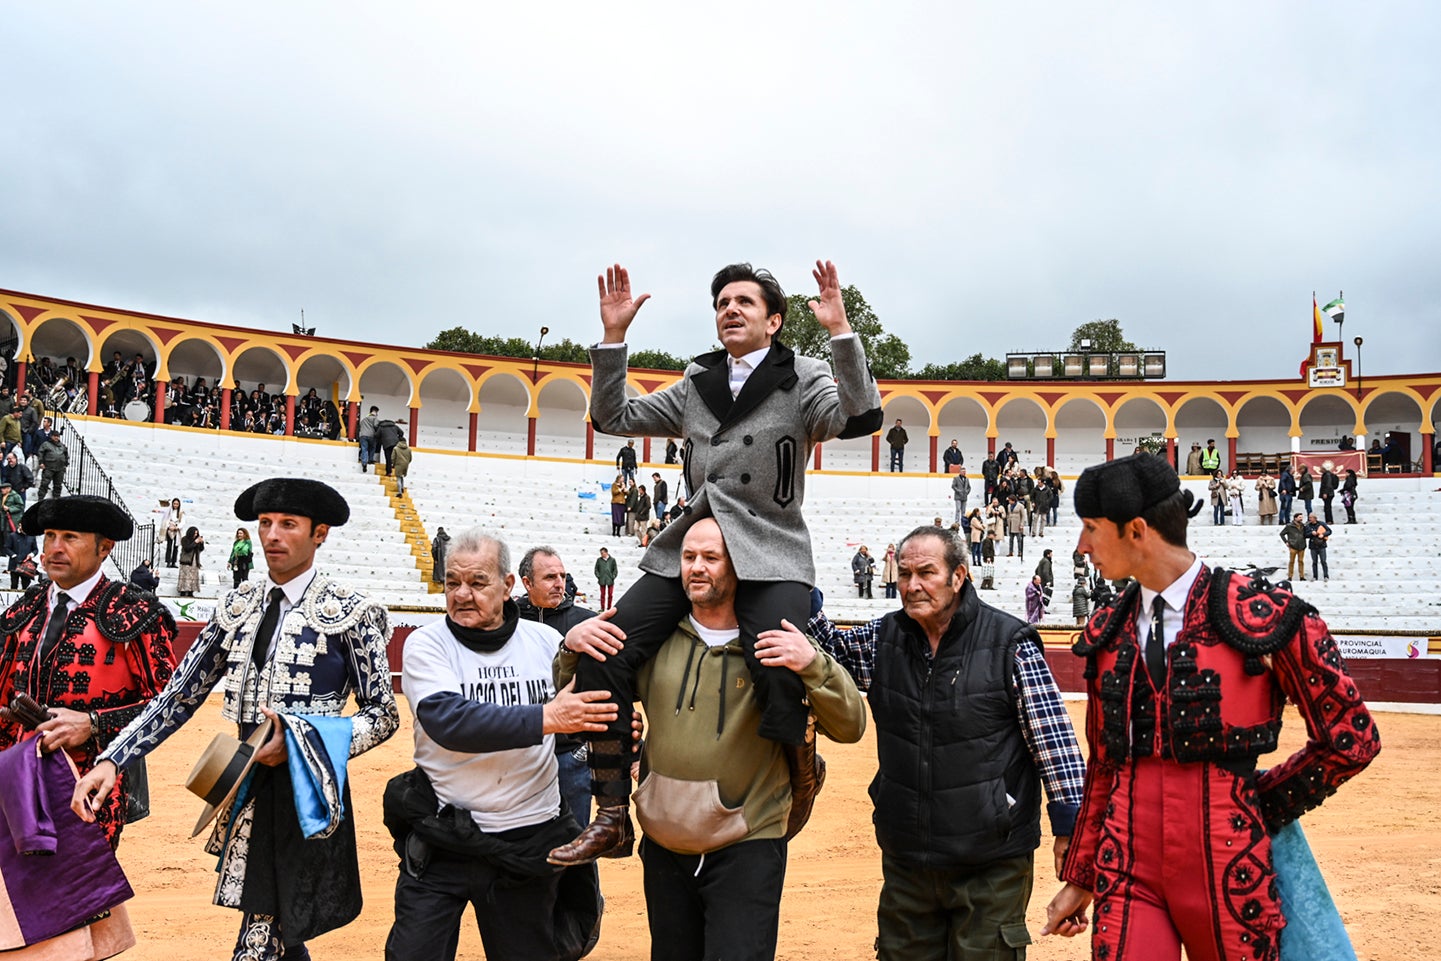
(777, 371)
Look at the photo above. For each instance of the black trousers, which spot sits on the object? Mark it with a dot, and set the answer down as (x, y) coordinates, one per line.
(721, 905)
(649, 613)
(515, 917)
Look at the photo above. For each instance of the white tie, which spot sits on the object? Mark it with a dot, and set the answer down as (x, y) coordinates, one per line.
(740, 370)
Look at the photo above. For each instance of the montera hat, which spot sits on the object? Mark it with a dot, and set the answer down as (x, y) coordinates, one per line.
(85, 513)
(1126, 488)
(222, 769)
(293, 495)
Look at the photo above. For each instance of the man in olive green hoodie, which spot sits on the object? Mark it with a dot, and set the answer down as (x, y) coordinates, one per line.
(714, 798)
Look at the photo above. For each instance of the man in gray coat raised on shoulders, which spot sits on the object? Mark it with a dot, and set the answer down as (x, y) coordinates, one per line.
(749, 415)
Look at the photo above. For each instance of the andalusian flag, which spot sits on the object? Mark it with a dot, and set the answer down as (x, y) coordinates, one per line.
(1316, 312)
(1336, 310)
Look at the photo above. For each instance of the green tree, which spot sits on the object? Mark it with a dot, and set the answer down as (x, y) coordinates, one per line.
(974, 367)
(1104, 335)
(888, 355)
(657, 360)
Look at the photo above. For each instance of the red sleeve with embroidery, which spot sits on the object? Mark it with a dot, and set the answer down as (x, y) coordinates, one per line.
(1342, 737)
(151, 659)
(1079, 867)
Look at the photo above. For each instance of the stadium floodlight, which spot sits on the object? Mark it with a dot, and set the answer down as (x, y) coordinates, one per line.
(1154, 364)
(1018, 366)
(1128, 365)
(1073, 365)
(1098, 365)
(1044, 366)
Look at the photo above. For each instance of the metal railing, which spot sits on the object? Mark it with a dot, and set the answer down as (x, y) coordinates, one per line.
(86, 476)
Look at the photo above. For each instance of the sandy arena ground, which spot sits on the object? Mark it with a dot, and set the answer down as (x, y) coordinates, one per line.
(1376, 842)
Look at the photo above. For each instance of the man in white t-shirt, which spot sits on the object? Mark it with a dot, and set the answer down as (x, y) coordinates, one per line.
(486, 714)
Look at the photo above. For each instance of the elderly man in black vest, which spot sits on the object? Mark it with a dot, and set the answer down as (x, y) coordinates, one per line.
(969, 728)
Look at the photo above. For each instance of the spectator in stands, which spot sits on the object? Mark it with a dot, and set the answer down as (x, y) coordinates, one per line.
(438, 547)
(960, 491)
(387, 435)
(32, 415)
(241, 558)
(1081, 598)
(1392, 456)
(863, 571)
(173, 524)
(1328, 491)
(1042, 499)
(54, 458)
(890, 571)
(632, 498)
(990, 474)
(672, 451)
(976, 528)
(11, 434)
(625, 461)
(1294, 536)
(1318, 534)
(606, 571)
(1057, 489)
(641, 515)
(191, 547)
(896, 437)
(1266, 497)
(1218, 498)
(18, 545)
(1016, 523)
(618, 495)
(952, 457)
(659, 498)
(1305, 490)
(1286, 487)
(7, 401)
(988, 560)
(144, 578)
(1193, 459)
(679, 510)
(1007, 458)
(1035, 601)
(365, 434)
(1235, 484)
(400, 459)
(1348, 496)
(17, 473)
(1046, 572)
(1348, 442)
(1210, 459)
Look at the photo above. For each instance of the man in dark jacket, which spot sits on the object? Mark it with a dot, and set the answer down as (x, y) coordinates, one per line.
(545, 600)
(1294, 534)
(958, 828)
(625, 461)
(19, 476)
(387, 435)
(1328, 491)
(659, 496)
(990, 473)
(54, 458)
(897, 438)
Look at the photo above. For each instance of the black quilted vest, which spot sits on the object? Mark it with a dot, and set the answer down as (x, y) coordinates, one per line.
(956, 785)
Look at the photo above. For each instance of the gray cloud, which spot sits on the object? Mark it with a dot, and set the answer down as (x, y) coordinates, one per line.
(989, 177)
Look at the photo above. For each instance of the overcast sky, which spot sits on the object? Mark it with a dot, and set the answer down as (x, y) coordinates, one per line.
(989, 175)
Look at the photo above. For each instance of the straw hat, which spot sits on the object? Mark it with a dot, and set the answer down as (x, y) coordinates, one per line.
(222, 769)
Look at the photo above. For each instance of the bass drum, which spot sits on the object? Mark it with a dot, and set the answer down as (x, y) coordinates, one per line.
(137, 410)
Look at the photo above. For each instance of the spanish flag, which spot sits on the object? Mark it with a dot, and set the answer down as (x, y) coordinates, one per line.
(1316, 312)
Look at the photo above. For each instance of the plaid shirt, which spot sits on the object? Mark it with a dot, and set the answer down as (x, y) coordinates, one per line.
(1044, 722)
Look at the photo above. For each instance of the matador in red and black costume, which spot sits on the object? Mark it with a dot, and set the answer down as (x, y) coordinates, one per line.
(1187, 674)
(96, 667)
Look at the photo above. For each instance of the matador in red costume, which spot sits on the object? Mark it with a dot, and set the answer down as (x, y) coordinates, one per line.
(90, 650)
(1187, 674)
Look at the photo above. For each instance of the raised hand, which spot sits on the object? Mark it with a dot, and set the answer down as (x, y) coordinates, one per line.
(829, 309)
(617, 309)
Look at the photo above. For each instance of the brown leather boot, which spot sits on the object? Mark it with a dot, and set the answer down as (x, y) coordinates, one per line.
(808, 776)
(609, 835)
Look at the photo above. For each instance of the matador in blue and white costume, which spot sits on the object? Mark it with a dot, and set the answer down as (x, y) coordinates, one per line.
(296, 645)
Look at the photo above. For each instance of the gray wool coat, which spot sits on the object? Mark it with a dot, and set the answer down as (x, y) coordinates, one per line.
(745, 459)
